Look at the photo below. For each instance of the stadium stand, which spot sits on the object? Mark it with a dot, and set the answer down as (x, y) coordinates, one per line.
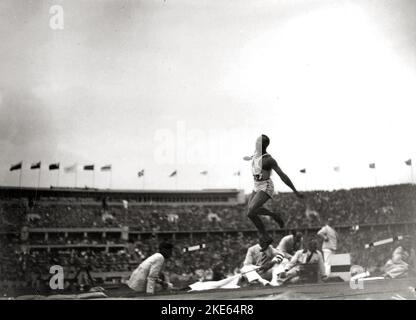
(109, 233)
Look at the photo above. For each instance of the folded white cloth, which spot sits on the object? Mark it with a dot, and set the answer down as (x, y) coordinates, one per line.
(228, 283)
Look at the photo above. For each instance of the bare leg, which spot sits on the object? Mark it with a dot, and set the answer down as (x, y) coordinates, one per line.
(254, 205)
(275, 215)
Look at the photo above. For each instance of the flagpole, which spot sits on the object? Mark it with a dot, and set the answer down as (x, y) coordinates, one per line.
(93, 178)
(36, 192)
(306, 181)
(339, 180)
(411, 173)
(76, 176)
(20, 177)
(39, 177)
(58, 176)
(111, 177)
(337, 172)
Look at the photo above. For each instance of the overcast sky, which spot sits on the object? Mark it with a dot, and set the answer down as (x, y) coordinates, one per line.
(189, 85)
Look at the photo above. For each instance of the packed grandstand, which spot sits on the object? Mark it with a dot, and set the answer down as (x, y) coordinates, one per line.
(109, 232)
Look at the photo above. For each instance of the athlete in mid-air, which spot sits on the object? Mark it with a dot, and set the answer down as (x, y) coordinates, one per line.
(262, 166)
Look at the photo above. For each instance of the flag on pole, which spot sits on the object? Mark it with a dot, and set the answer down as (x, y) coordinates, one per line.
(17, 166)
(89, 167)
(35, 165)
(71, 169)
(337, 169)
(409, 164)
(54, 166)
(373, 166)
(140, 173)
(302, 171)
(238, 173)
(205, 172)
(174, 173)
(125, 204)
(106, 167)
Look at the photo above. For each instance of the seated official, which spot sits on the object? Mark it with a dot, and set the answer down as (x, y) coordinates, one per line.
(264, 262)
(311, 255)
(290, 244)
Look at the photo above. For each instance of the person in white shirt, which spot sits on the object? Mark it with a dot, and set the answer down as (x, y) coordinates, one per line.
(147, 276)
(329, 244)
(302, 257)
(265, 261)
(290, 244)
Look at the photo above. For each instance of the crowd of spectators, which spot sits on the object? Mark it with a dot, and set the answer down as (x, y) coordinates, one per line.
(223, 256)
(226, 246)
(388, 204)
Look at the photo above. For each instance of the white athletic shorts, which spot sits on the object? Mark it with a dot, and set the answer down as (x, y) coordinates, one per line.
(266, 186)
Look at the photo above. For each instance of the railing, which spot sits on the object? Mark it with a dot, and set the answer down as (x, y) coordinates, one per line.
(125, 232)
(132, 231)
(48, 247)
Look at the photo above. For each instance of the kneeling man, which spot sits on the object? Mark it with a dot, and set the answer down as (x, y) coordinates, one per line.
(148, 277)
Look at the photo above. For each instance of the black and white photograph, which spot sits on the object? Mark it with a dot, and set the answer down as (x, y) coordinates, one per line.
(228, 152)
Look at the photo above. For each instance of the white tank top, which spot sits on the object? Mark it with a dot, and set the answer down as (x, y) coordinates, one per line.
(257, 166)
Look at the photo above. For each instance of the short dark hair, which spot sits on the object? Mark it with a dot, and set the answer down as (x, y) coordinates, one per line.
(165, 246)
(313, 244)
(265, 140)
(297, 235)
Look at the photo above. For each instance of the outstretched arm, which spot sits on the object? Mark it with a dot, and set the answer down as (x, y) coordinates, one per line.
(284, 177)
